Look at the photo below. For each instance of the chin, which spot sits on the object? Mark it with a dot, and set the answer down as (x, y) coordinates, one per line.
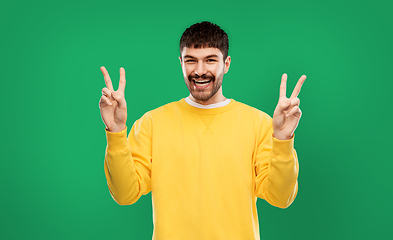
(203, 97)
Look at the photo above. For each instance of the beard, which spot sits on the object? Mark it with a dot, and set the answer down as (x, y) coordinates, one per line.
(204, 94)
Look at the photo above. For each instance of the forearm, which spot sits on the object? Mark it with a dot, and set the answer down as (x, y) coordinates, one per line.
(120, 169)
(278, 184)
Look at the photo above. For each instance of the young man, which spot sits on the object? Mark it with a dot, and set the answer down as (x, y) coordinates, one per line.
(204, 158)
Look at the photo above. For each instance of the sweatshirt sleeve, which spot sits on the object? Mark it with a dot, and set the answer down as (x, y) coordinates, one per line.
(276, 168)
(128, 162)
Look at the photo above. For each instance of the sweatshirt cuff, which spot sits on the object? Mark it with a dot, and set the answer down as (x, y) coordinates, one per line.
(117, 141)
(283, 149)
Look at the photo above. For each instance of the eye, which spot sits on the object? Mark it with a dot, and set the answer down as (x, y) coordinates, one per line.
(190, 61)
(211, 60)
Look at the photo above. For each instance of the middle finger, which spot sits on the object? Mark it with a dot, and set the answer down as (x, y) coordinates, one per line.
(295, 101)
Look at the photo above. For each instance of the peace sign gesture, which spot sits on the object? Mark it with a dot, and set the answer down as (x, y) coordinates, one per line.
(112, 103)
(287, 113)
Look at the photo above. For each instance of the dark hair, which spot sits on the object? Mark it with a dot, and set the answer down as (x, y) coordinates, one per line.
(205, 34)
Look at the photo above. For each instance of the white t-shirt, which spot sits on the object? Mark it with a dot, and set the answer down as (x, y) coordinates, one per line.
(210, 106)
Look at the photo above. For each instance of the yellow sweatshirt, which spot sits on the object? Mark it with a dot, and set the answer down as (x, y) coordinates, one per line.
(205, 169)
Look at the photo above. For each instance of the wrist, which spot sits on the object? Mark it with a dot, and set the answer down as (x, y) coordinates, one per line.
(116, 129)
(282, 137)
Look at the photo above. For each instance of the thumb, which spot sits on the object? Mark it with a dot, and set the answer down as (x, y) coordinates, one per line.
(119, 99)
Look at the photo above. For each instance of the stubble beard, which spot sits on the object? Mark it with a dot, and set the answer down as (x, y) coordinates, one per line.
(202, 94)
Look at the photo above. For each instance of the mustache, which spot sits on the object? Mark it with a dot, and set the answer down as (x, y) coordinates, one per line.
(203, 76)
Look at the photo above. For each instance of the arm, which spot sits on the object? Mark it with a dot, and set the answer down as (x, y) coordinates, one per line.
(128, 163)
(277, 166)
(276, 169)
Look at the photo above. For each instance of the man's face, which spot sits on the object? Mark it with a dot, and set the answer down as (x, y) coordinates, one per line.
(203, 71)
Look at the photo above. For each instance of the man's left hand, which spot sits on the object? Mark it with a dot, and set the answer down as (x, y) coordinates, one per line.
(287, 113)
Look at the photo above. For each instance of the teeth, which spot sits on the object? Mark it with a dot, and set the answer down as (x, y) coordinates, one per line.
(202, 81)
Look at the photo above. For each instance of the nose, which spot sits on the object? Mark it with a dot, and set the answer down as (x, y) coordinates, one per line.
(200, 69)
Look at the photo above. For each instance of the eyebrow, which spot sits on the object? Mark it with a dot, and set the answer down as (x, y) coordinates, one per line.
(209, 56)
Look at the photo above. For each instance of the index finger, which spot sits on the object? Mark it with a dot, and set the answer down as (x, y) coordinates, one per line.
(122, 83)
(298, 86)
(283, 86)
(108, 81)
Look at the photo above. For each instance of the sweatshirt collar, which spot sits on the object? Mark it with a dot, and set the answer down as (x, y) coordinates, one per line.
(215, 110)
(210, 106)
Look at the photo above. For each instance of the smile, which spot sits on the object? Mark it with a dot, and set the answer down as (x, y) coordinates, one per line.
(202, 81)
(200, 84)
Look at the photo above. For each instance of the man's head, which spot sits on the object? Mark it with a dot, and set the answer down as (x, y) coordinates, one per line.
(205, 35)
(204, 60)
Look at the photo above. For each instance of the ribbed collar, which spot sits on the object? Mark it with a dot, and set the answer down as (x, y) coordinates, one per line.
(214, 105)
(217, 110)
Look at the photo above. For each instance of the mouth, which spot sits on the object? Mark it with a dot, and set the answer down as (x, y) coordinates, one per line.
(201, 83)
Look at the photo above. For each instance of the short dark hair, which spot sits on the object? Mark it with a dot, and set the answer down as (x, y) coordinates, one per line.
(205, 34)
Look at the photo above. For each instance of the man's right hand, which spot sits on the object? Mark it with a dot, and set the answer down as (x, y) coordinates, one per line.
(112, 103)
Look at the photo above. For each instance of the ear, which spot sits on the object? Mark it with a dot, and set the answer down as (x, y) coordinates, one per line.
(227, 64)
(181, 64)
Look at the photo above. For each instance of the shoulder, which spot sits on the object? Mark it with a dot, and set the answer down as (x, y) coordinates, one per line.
(147, 120)
(172, 106)
(260, 120)
(162, 110)
(249, 110)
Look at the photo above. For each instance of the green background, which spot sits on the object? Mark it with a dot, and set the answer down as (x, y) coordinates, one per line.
(53, 140)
